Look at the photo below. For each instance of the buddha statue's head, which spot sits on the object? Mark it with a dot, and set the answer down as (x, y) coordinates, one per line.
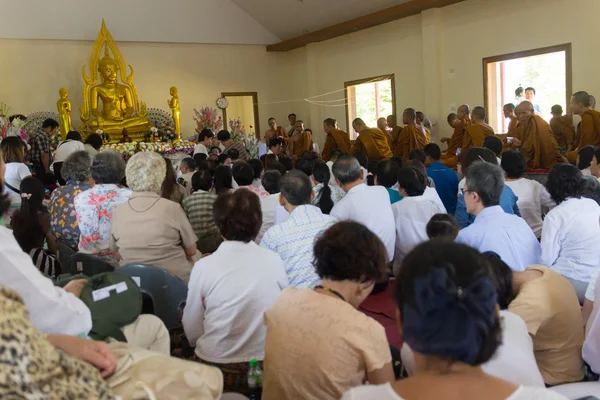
(173, 91)
(63, 92)
(108, 68)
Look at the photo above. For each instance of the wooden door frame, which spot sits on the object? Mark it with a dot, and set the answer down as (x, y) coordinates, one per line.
(567, 48)
(255, 106)
(373, 80)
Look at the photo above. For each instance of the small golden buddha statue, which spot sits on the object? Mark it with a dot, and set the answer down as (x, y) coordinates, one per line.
(64, 113)
(117, 103)
(174, 105)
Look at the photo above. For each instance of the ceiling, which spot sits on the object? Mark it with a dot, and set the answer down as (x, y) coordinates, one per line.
(290, 18)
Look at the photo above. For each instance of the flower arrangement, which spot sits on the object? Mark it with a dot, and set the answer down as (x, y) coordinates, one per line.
(239, 134)
(129, 149)
(208, 118)
(163, 131)
(34, 123)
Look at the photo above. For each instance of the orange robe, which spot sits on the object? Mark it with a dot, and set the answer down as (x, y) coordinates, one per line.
(589, 132)
(336, 140)
(538, 144)
(474, 136)
(411, 138)
(564, 132)
(299, 143)
(450, 159)
(396, 131)
(512, 127)
(373, 143)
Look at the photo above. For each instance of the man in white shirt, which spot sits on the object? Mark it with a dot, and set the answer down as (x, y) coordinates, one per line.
(275, 146)
(412, 213)
(269, 205)
(368, 205)
(187, 168)
(290, 128)
(494, 230)
(205, 138)
(294, 239)
(64, 150)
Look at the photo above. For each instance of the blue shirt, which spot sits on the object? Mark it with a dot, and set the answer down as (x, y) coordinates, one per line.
(507, 235)
(394, 195)
(294, 239)
(508, 202)
(446, 184)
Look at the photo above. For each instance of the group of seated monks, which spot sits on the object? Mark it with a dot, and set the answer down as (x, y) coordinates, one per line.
(544, 144)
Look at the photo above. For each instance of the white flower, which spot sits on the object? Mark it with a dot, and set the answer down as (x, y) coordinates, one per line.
(99, 131)
(154, 129)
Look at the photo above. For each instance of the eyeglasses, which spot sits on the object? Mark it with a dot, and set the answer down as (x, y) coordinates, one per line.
(463, 191)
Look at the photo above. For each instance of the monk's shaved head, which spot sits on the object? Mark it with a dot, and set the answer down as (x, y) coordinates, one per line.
(391, 121)
(525, 111)
(580, 102)
(463, 111)
(330, 122)
(420, 116)
(358, 124)
(583, 98)
(409, 116)
(592, 102)
(510, 107)
(479, 113)
(382, 123)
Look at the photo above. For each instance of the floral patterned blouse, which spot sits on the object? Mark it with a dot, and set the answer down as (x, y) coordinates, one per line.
(94, 209)
(63, 222)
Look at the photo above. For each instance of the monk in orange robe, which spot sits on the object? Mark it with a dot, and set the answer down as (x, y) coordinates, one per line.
(336, 139)
(509, 112)
(300, 141)
(395, 133)
(475, 134)
(370, 141)
(450, 158)
(421, 124)
(412, 137)
(562, 128)
(383, 127)
(276, 131)
(589, 132)
(535, 139)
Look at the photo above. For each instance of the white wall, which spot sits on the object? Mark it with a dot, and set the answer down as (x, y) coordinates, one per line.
(174, 21)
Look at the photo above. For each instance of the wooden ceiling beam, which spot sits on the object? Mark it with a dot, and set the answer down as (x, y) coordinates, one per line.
(381, 17)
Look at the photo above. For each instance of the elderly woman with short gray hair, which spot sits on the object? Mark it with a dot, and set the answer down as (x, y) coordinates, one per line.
(149, 229)
(94, 208)
(77, 172)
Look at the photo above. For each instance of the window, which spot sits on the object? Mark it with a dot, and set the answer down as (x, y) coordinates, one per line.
(547, 70)
(369, 99)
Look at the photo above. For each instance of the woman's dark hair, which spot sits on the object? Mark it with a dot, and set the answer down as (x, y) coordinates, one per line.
(513, 163)
(215, 148)
(477, 154)
(591, 188)
(503, 278)
(199, 157)
(94, 140)
(387, 173)
(447, 303)
(205, 133)
(223, 157)
(306, 165)
(26, 221)
(269, 160)
(270, 181)
(257, 166)
(417, 154)
(337, 259)
(586, 153)
(202, 180)
(412, 181)
(287, 163)
(442, 226)
(493, 143)
(74, 135)
(12, 149)
(223, 179)
(278, 167)
(371, 172)
(170, 182)
(243, 173)
(564, 181)
(238, 215)
(322, 174)
(234, 154)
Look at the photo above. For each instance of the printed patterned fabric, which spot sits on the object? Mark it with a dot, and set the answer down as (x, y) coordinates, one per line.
(336, 194)
(199, 210)
(94, 210)
(63, 221)
(294, 239)
(259, 191)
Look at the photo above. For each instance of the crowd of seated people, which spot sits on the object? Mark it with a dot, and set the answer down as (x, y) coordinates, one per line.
(494, 277)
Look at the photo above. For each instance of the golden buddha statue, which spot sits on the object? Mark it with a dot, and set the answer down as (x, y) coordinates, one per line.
(120, 108)
(64, 112)
(174, 106)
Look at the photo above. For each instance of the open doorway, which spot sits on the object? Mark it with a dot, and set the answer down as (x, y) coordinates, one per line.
(547, 71)
(242, 105)
(369, 99)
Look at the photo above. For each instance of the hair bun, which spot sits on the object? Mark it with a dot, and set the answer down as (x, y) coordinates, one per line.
(447, 320)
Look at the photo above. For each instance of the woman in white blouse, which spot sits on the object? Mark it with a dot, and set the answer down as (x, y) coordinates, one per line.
(449, 316)
(230, 290)
(571, 230)
(12, 149)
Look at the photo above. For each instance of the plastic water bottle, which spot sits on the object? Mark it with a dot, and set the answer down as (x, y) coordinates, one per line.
(255, 380)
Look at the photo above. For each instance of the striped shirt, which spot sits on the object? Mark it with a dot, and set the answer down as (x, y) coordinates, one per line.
(239, 146)
(294, 239)
(199, 210)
